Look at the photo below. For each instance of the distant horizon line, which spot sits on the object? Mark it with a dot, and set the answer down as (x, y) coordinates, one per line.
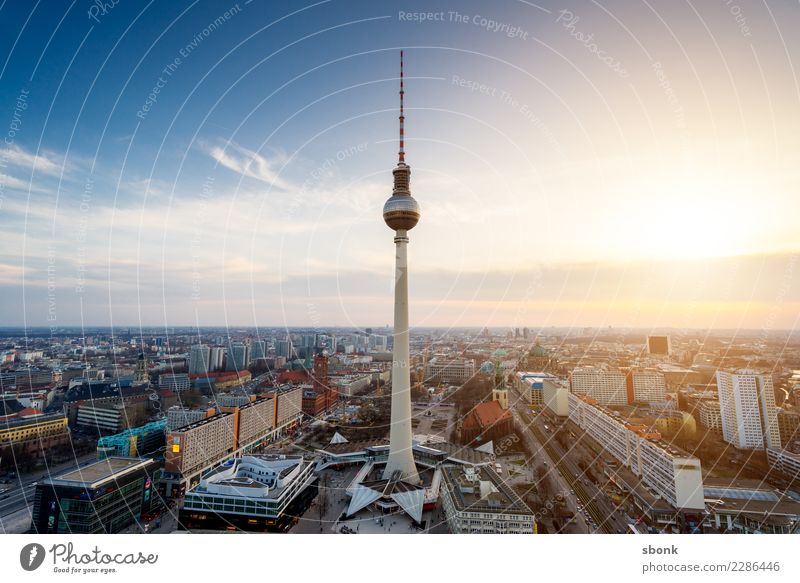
(653, 330)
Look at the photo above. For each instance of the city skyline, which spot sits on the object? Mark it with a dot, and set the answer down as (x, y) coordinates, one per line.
(230, 169)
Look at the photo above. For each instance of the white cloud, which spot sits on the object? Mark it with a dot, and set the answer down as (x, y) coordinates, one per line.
(248, 163)
(44, 162)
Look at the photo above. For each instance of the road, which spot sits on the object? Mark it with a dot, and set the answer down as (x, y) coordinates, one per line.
(604, 514)
(20, 492)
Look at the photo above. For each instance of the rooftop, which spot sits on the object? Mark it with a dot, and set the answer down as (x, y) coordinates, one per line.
(99, 472)
(481, 490)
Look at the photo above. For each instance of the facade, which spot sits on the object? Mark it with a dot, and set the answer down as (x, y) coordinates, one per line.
(258, 349)
(789, 426)
(216, 358)
(555, 393)
(785, 461)
(607, 387)
(476, 500)
(350, 385)
(454, 371)
(619, 387)
(101, 498)
(673, 474)
(29, 431)
(646, 386)
(710, 416)
(104, 417)
(659, 345)
(253, 493)
(175, 382)
(178, 416)
(199, 359)
(238, 357)
(136, 442)
(194, 447)
(205, 444)
(747, 407)
(530, 386)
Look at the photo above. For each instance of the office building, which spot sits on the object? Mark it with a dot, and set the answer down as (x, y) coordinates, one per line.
(449, 370)
(475, 500)
(101, 498)
(747, 407)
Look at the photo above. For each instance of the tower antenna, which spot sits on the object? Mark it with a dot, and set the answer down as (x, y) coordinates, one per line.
(402, 116)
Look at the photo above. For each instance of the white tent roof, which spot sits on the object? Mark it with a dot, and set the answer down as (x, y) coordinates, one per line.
(487, 447)
(338, 438)
(362, 497)
(411, 502)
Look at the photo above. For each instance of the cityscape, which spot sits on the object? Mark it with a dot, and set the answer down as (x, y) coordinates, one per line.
(340, 268)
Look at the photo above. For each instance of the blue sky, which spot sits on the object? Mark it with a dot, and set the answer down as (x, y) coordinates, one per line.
(558, 155)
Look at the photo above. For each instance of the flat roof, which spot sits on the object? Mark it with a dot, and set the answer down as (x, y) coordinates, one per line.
(95, 474)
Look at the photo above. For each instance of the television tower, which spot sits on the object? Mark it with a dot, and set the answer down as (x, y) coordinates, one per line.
(401, 213)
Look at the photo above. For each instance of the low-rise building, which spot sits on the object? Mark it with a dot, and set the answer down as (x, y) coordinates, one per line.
(749, 507)
(252, 493)
(476, 500)
(486, 422)
(785, 461)
(449, 370)
(176, 382)
(136, 442)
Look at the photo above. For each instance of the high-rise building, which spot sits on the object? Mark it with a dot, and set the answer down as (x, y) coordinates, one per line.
(401, 214)
(238, 357)
(619, 387)
(199, 356)
(258, 349)
(747, 407)
(284, 348)
(659, 345)
(646, 386)
(607, 387)
(216, 358)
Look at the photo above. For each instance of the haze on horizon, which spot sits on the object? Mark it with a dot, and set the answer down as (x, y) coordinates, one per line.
(653, 187)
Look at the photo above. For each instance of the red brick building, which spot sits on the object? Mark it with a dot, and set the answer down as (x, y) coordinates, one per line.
(486, 422)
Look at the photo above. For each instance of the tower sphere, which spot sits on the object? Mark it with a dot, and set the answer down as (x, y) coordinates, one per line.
(401, 212)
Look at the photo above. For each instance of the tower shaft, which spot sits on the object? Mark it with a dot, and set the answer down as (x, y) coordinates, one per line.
(401, 455)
